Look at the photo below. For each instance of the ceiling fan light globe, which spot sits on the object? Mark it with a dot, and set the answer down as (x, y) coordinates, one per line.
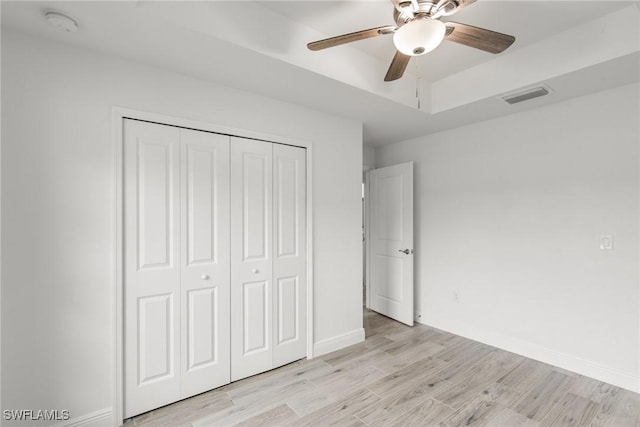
(419, 36)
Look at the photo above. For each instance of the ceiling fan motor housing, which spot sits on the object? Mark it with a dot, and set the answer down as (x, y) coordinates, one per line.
(407, 10)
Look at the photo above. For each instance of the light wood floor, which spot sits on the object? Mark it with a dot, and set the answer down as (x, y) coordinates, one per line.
(403, 376)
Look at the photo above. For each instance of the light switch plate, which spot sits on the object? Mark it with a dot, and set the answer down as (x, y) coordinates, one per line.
(606, 242)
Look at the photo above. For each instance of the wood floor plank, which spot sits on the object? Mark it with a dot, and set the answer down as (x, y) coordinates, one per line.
(405, 334)
(278, 377)
(429, 413)
(477, 412)
(571, 411)
(509, 418)
(275, 417)
(544, 396)
(392, 407)
(185, 411)
(623, 409)
(526, 374)
(501, 394)
(379, 359)
(333, 388)
(342, 412)
(422, 371)
(359, 375)
(306, 403)
(467, 383)
(275, 395)
(467, 358)
(462, 348)
(232, 415)
(357, 350)
(585, 387)
(266, 376)
(411, 350)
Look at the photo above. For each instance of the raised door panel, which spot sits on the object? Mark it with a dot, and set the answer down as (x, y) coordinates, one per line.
(255, 308)
(205, 270)
(151, 264)
(251, 257)
(289, 264)
(288, 326)
(255, 215)
(203, 322)
(155, 338)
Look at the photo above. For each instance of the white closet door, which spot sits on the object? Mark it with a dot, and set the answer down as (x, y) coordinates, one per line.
(152, 266)
(289, 254)
(205, 272)
(251, 257)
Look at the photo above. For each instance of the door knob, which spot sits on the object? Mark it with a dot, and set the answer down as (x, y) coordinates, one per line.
(254, 270)
(205, 277)
(405, 251)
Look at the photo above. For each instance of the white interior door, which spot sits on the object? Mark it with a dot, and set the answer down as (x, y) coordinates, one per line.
(205, 272)
(251, 257)
(152, 266)
(390, 249)
(289, 254)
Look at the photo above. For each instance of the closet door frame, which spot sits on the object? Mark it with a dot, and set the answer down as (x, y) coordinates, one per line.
(119, 114)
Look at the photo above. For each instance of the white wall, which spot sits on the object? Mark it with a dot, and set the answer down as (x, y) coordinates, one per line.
(368, 158)
(509, 213)
(58, 210)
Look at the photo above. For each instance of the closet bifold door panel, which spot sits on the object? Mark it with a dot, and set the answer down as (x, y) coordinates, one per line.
(268, 256)
(205, 272)
(251, 257)
(152, 266)
(176, 264)
(289, 254)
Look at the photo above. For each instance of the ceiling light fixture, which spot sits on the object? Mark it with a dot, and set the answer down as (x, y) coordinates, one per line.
(419, 36)
(61, 21)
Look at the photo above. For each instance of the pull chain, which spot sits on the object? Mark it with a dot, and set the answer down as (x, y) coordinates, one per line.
(418, 85)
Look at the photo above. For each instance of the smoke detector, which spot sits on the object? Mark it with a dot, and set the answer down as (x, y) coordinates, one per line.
(526, 94)
(61, 21)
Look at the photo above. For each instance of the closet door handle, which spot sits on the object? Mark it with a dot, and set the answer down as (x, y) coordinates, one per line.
(254, 271)
(205, 277)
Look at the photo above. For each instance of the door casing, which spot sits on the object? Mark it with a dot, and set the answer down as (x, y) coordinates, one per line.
(118, 116)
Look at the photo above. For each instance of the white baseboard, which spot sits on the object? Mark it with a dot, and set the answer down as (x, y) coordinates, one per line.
(540, 353)
(338, 342)
(102, 418)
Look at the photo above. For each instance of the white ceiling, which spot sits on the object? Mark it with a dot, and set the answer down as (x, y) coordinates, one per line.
(575, 47)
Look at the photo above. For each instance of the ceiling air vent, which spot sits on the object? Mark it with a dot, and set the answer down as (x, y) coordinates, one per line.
(526, 94)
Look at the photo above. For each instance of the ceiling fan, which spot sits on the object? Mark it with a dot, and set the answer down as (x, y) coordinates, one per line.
(419, 30)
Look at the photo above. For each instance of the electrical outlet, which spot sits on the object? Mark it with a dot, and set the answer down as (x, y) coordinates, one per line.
(456, 296)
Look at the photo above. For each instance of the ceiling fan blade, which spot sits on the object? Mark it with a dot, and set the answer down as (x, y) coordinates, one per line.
(351, 37)
(397, 67)
(480, 38)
